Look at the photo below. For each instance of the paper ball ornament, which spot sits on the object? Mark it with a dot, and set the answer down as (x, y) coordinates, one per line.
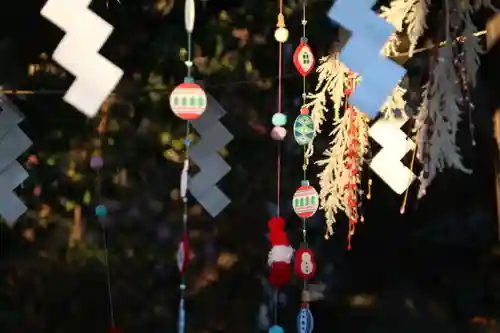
(303, 129)
(96, 162)
(303, 58)
(278, 133)
(183, 254)
(305, 200)
(279, 119)
(305, 320)
(276, 329)
(188, 101)
(101, 211)
(305, 265)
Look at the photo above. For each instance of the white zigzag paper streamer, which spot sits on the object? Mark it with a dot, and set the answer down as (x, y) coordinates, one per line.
(363, 53)
(78, 53)
(214, 137)
(13, 142)
(395, 145)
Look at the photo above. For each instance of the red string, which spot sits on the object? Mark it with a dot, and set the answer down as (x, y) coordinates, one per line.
(278, 164)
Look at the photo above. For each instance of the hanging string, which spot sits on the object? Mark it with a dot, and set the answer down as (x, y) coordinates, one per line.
(101, 211)
(185, 103)
(306, 157)
(412, 163)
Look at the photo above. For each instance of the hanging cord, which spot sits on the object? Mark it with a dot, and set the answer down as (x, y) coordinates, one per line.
(280, 109)
(306, 157)
(101, 210)
(410, 180)
(183, 252)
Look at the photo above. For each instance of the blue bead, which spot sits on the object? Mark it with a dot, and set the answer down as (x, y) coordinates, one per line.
(304, 182)
(276, 329)
(101, 211)
(187, 142)
(279, 119)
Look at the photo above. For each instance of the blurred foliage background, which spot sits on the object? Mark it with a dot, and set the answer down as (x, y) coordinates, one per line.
(435, 268)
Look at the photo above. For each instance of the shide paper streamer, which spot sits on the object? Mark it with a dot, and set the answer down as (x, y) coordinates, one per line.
(362, 53)
(395, 145)
(13, 142)
(205, 154)
(78, 53)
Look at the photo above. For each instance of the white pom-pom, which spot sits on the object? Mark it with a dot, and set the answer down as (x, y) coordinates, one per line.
(280, 253)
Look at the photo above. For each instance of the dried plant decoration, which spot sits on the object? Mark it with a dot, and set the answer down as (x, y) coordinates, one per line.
(478, 4)
(335, 177)
(333, 84)
(332, 81)
(439, 115)
(471, 47)
(408, 16)
(395, 104)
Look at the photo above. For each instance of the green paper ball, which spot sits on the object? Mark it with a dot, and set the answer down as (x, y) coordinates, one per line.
(101, 211)
(279, 119)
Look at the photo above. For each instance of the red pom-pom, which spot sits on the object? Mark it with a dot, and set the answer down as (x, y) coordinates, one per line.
(276, 224)
(278, 238)
(115, 330)
(281, 273)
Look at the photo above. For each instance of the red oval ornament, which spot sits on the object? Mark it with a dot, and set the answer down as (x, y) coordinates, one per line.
(183, 254)
(303, 58)
(305, 265)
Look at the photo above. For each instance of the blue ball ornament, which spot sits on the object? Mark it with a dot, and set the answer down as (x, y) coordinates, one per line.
(101, 211)
(279, 119)
(276, 329)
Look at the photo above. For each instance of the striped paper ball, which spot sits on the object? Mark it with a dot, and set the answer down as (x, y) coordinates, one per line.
(305, 200)
(188, 101)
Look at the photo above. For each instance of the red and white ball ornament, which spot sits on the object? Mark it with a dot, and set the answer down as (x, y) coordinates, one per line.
(305, 265)
(188, 100)
(305, 200)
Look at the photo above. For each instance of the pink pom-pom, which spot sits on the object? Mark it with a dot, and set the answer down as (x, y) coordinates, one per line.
(278, 133)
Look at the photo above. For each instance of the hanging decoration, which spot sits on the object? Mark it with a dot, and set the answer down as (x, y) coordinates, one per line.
(188, 101)
(408, 19)
(13, 142)
(305, 320)
(335, 81)
(281, 252)
(305, 201)
(352, 165)
(395, 145)
(444, 101)
(95, 76)
(100, 210)
(205, 154)
(379, 75)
